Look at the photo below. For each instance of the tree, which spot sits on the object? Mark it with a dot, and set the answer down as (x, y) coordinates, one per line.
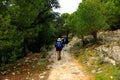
(35, 16)
(112, 13)
(72, 23)
(65, 25)
(89, 18)
(23, 25)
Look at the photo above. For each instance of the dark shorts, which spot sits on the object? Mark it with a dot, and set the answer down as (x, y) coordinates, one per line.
(58, 48)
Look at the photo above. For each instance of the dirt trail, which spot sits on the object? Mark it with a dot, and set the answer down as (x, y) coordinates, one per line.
(67, 68)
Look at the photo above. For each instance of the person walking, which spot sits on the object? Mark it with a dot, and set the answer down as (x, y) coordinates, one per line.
(65, 41)
(59, 47)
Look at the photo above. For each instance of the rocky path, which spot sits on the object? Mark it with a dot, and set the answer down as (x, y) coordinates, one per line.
(67, 68)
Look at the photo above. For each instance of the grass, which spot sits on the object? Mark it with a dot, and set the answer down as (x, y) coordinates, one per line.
(108, 72)
(94, 64)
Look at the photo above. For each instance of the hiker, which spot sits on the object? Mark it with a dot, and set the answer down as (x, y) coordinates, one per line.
(59, 47)
(65, 41)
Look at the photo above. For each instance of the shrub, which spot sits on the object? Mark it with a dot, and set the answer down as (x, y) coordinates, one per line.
(44, 51)
(117, 75)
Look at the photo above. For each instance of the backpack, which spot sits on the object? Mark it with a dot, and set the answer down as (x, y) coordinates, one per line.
(65, 40)
(58, 44)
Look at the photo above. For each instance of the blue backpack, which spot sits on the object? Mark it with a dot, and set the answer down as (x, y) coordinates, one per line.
(59, 44)
(65, 39)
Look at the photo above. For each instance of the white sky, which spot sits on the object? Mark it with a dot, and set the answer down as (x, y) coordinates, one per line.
(68, 6)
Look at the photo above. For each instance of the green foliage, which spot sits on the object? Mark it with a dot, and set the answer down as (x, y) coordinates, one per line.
(3, 60)
(77, 44)
(10, 40)
(43, 49)
(117, 75)
(107, 73)
(25, 26)
(99, 60)
(65, 26)
(98, 77)
(42, 62)
(90, 17)
(61, 25)
(93, 16)
(112, 13)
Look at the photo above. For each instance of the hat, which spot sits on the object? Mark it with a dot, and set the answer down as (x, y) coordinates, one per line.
(58, 39)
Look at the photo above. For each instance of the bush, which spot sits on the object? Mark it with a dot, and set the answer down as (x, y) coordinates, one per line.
(100, 77)
(42, 62)
(77, 44)
(44, 51)
(117, 75)
(10, 55)
(99, 60)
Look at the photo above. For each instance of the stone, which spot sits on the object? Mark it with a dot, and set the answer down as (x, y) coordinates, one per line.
(42, 77)
(13, 73)
(93, 71)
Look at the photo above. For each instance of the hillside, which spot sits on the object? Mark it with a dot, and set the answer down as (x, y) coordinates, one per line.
(101, 59)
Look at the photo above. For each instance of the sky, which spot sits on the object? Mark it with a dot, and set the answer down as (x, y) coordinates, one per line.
(68, 6)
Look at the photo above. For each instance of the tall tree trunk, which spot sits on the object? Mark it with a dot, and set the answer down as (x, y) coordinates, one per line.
(83, 40)
(26, 50)
(67, 33)
(94, 34)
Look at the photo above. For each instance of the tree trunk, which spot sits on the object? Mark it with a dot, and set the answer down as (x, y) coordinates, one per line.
(26, 50)
(83, 41)
(67, 33)
(94, 34)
